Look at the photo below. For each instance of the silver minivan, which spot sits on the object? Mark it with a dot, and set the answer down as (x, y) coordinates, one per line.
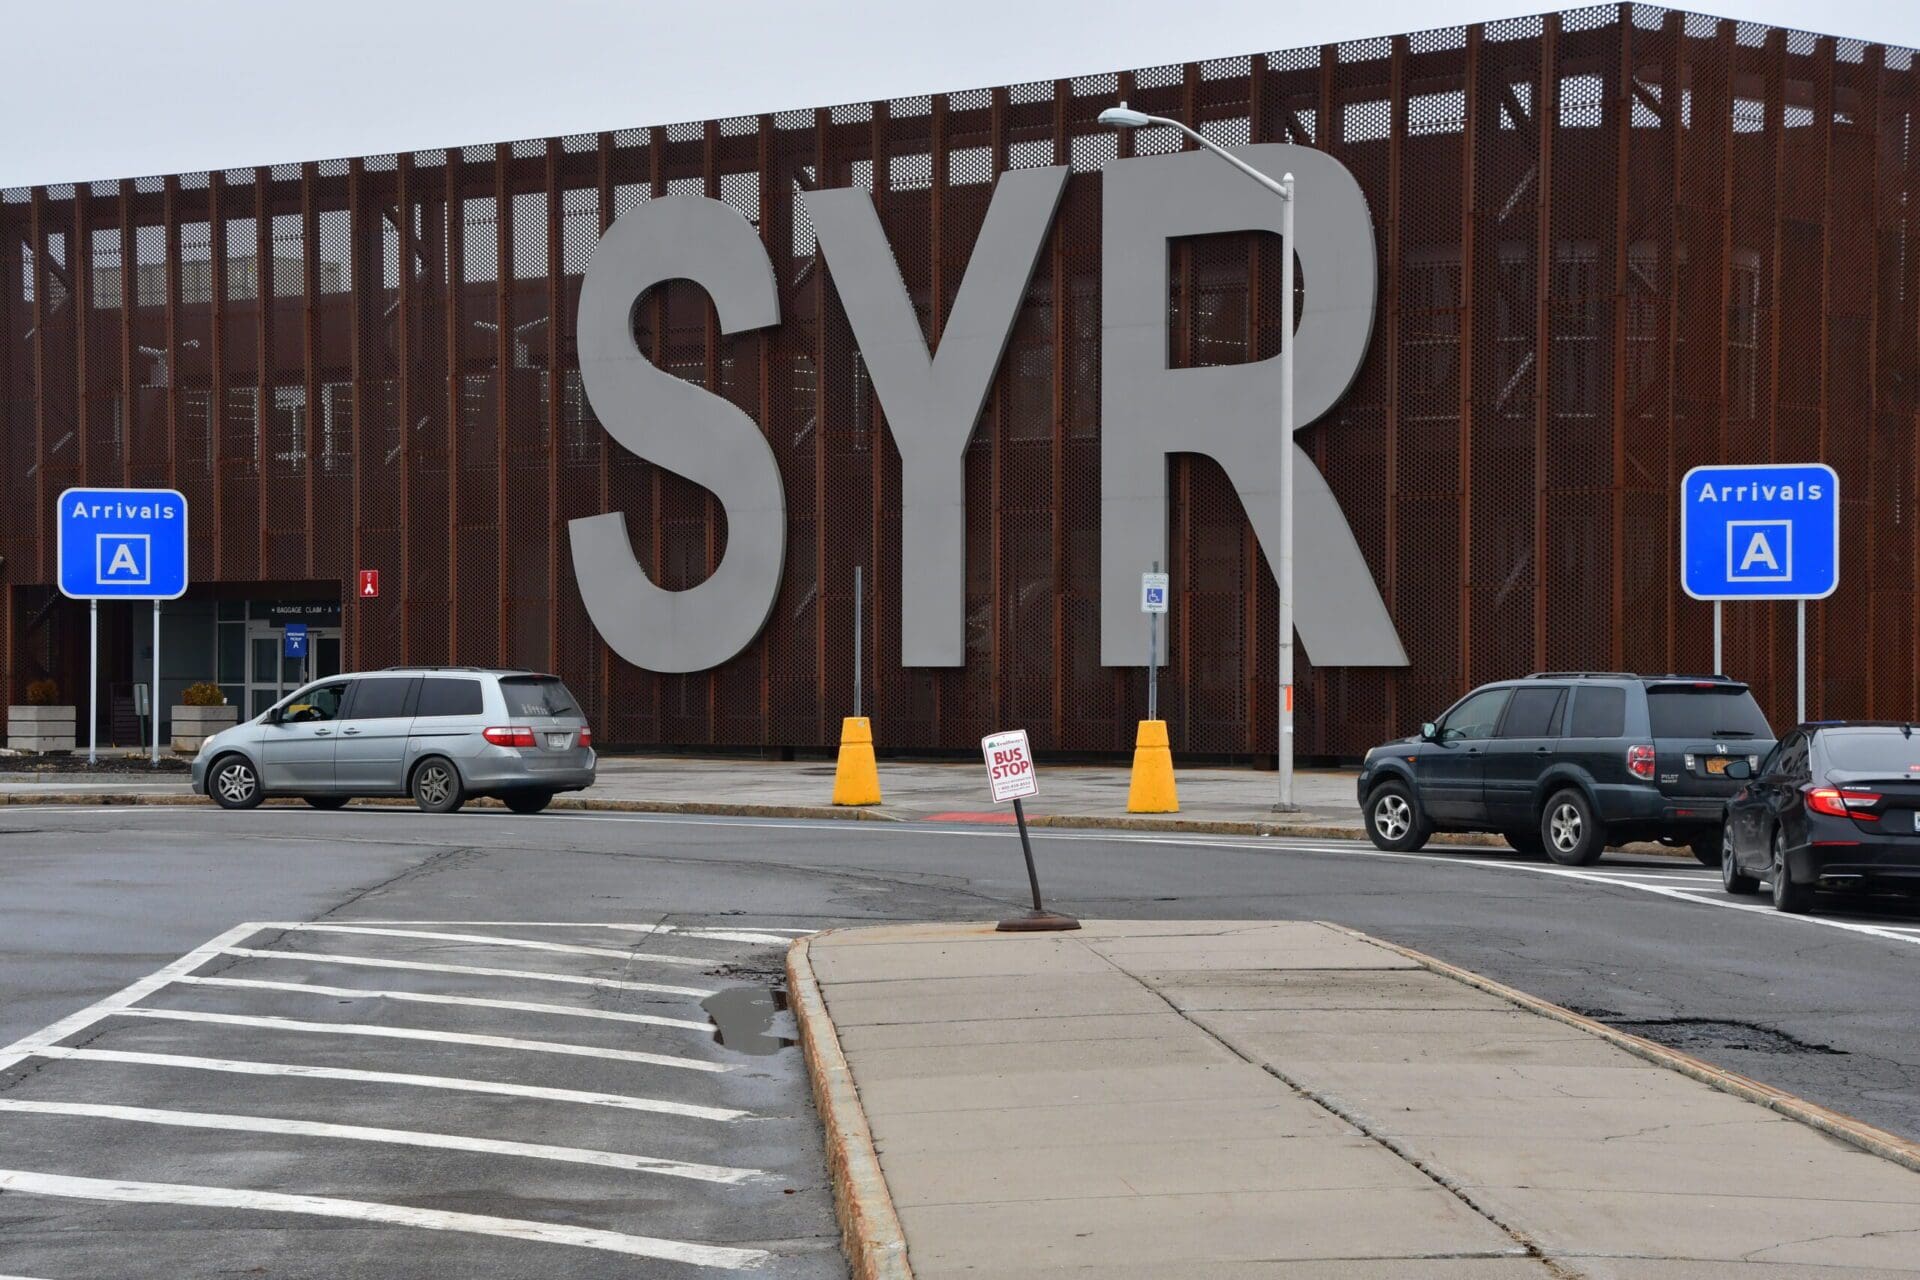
(439, 734)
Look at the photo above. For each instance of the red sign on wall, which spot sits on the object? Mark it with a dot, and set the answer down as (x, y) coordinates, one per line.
(369, 583)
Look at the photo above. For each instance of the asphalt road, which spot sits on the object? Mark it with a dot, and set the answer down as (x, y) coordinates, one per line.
(555, 976)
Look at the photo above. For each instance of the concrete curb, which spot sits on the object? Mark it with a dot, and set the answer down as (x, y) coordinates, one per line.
(1856, 1133)
(870, 1232)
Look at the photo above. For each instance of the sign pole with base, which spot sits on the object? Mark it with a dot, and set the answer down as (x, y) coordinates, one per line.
(1150, 788)
(856, 775)
(1010, 775)
(153, 698)
(93, 680)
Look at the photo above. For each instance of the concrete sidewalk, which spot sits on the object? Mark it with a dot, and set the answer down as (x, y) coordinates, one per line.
(1289, 1100)
(1234, 801)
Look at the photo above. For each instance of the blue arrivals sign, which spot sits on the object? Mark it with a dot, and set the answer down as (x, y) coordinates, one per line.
(122, 544)
(1763, 532)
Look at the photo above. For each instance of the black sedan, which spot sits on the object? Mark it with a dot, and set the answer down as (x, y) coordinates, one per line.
(1836, 805)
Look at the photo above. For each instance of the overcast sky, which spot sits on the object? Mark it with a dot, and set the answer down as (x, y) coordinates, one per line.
(126, 88)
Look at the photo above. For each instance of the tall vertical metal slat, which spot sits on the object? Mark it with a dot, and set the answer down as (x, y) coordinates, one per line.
(506, 278)
(264, 293)
(310, 352)
(1547, 116)
(404, 319)
(1471, 108)
(1619, 106)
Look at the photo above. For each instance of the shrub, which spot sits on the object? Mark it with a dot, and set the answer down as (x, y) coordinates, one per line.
(203, 695)
(43, 693)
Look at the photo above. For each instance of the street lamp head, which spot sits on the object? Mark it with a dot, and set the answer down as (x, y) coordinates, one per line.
(1124, 117)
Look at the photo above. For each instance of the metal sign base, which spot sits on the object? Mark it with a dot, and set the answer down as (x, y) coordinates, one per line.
(1037, 922)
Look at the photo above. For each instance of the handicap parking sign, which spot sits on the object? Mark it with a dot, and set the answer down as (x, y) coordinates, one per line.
(122, 544)
(1760, 532)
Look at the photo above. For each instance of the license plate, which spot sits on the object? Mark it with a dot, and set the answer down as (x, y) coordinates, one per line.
(559, 741)
(1717, 765)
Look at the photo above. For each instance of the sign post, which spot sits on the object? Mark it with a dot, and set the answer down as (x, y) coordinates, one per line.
(1011, 777)
(120, 544)
(1153, 603)
(1762, 532)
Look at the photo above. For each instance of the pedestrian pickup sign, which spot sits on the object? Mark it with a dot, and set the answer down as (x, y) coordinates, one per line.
(296, 640)
(1010, 766)
(1763, 532)
(122, 544)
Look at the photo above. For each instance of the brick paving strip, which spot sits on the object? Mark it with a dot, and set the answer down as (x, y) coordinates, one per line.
(1293, 1099)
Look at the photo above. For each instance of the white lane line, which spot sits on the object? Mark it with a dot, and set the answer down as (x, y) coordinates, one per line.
(120, 999)
(393, 1137)
(421, 997)
(714, 932)
(489, 940)
(413, 1033)
(477, 971)
(457, 1084)
(699, 1255)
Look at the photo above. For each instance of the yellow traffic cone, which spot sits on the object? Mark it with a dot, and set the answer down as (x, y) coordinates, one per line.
(856, 780)
(1152, 789)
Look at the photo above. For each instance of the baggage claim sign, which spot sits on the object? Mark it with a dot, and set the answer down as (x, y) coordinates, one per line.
(933, 399)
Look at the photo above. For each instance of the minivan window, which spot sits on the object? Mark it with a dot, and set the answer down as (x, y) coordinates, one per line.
(443, 697)
(1599, 711)
(1534, 713)
(1688, 712)
(380, 699)
(1884, 751)
(322, 703)
(1475, 718)
(537, 696)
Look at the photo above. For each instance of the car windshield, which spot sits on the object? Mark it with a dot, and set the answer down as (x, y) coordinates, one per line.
(537, 696)
(1705, 713)
(1885, 751)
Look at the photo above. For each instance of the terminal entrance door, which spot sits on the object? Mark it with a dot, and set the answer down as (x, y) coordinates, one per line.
(271, 675)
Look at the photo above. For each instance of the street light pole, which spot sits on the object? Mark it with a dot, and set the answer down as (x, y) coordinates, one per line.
(1123, 117)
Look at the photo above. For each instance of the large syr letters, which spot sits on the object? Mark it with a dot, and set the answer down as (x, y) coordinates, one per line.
(933, 399)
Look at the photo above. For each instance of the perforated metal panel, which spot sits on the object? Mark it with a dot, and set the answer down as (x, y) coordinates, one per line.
(1614, 244)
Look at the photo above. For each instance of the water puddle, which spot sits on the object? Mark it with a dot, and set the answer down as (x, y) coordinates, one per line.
(743, 1017)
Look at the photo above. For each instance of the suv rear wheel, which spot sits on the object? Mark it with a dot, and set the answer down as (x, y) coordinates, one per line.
(1525, 841)
(1393, 819)
(1572, 835)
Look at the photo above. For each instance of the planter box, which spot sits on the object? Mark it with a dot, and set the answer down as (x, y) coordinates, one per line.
(40, 728)
(194, 725)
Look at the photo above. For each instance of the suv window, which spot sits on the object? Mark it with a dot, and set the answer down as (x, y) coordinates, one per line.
(537, 696)
(1534, 713)
(1599, 711)
(443, 697)
(380, 698)
(322, 703)
(1476, 717)
(1688, 712)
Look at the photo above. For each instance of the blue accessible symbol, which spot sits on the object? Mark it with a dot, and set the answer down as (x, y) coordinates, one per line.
(1764, 532)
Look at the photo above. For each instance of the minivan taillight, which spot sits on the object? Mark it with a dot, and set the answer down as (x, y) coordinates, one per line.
(1836, 803)
(586, 736)
(509, 736)
(1640, 762)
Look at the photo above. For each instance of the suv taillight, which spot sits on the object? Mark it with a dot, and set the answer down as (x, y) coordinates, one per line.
(586, 736)
(1640, 762)
(509, 736)
(1836, 803)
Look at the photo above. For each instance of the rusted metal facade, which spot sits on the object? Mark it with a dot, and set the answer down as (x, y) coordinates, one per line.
(1614, 244)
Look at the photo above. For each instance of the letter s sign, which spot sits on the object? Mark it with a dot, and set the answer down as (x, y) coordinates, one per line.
(683, 428)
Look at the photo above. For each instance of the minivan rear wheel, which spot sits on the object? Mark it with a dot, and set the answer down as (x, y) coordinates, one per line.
(527, 801)
(436, 786)
(1572, 835)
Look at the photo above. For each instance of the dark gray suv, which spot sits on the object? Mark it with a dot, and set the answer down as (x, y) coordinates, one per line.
(438, 734)
(1571, 762)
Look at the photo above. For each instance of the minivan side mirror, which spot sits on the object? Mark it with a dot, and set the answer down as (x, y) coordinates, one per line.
(1428, 733)
(276, 715)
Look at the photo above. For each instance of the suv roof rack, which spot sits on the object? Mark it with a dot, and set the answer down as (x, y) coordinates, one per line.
(422, 666)
(1583, 675)
(1681, 675)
